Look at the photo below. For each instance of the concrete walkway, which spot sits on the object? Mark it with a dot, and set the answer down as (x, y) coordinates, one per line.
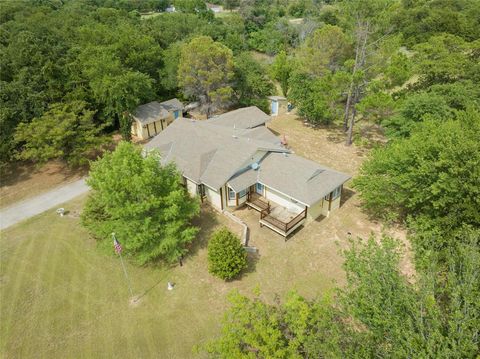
(32, 206)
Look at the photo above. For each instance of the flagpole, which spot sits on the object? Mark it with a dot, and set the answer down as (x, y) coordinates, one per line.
(124, 269)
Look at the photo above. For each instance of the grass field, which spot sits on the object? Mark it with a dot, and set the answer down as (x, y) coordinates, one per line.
(62, 298)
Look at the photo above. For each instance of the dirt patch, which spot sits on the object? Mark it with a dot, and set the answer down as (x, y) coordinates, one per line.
(24, 180)
(325, 145)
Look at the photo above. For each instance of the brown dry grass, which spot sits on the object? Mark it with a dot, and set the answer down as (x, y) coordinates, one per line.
(23, 180)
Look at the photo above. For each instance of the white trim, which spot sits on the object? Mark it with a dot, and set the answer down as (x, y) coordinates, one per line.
(191, 179)
(213, 189)
(286, 195)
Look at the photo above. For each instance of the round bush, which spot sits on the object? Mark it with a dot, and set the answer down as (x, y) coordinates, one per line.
(226, 255)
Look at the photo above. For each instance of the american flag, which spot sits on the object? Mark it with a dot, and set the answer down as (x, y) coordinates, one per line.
(116, 244)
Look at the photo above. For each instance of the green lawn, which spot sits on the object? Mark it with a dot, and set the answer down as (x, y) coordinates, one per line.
(61, 298)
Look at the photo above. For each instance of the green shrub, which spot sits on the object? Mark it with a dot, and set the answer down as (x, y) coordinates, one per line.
(226, 255)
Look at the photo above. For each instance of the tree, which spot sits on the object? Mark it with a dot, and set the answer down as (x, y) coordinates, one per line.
(447, 58)
(251, 83)
(369, 23)
(434, 175)
(66, 131)
(420, 20)
(296, 329)
(205, 72)
(143, 203)
(280, 71)
(378, 314)
(376, 106)
(191, 6)
(319, 99)
(417, 107)
(168, 73)
(325, 50)
(117, 91)
(437, 316)
(226, 255)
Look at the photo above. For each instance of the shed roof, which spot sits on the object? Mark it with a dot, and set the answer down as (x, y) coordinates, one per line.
(247, 117)
(276, 98)
(150, 112)
(172, 105)
(154, 111)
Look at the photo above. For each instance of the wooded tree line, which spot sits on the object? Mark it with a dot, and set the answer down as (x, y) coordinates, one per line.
(343, 61)
(80, 67)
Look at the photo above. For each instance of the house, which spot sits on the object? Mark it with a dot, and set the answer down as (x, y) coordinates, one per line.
(150, 119)
(278, 105)
(239, 161)
(246, 118)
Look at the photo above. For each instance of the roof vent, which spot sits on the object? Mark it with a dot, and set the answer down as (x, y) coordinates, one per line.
(234, 136)
(255, 166)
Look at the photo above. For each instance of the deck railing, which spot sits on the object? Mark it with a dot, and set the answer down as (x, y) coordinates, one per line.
(283, 226)
(255, 199)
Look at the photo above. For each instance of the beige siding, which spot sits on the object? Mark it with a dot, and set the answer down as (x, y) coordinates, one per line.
(191, 187)
(213, 197)
(335, 203)
(283, 200)
(315, 210)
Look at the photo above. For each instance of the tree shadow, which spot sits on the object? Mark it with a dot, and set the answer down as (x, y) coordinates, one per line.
(347, 193)
(15, 172)
(18, 172)
(207, 222)
(336, 134)
(252, 260)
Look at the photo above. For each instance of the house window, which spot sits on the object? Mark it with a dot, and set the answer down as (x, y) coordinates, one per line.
(201, 190)
(175, 114)
(242, 193)
(336, 193)
(231, 194)
(259, 188)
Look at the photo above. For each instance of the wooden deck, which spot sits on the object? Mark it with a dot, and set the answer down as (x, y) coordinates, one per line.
(275, 218)
(257, 202)
(281, 227)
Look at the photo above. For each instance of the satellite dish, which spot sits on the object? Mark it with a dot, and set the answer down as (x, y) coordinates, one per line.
(254, 166)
